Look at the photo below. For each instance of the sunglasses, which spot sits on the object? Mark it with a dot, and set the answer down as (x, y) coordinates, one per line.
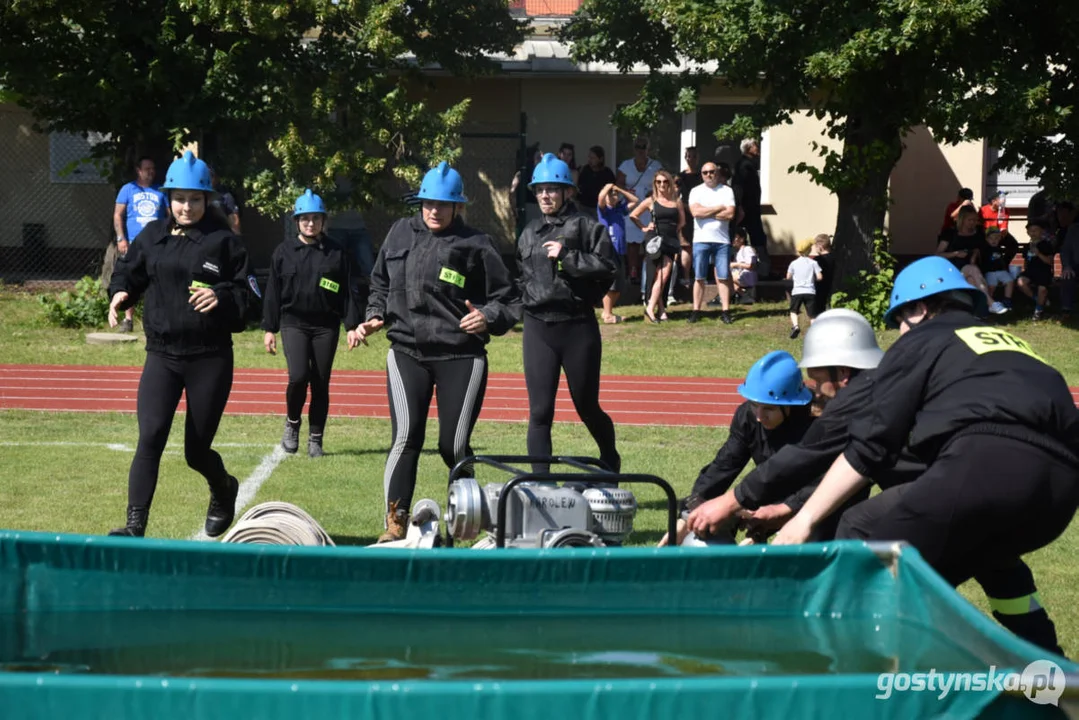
(708, 172)
(640, 147)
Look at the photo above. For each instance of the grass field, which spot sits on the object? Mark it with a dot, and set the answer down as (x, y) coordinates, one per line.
(68, 472)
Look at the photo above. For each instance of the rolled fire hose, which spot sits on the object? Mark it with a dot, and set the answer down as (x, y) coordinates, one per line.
(277, 523)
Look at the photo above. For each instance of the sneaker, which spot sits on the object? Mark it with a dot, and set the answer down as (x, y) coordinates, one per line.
(222, 509)
(694, 316)
(290, 441)
(1038, 313)
(396, 524)
(136, 523)
(997, 308)
(794, 332)
(725, 317)
(314, 445)
(127, 326)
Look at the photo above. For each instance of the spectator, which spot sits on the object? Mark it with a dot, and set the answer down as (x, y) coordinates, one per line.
(226, 203)
(138, 203)
(805, 273)
(568, 154)
(636, 175)
(531, 209)
(994, 212)
(822, 253)
(615, 204)
(712, 206)
(687, 180)
(963, 249)
(747, 194)
(743, 267)
(666, 209)
(1069, 261)
(964, 199)
(1037, 276)
(996, 259)
(593, 178)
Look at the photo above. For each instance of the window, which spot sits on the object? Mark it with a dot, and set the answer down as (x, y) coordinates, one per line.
(69, 159)
(1015, 183)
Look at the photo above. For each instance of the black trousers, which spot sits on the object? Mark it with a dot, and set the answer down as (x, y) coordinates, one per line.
(983, 504)
(207, 382)
(309, 352)
(410, 384)
(574, 346)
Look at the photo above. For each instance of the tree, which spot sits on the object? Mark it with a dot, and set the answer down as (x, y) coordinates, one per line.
(871, 69)
(281, 95)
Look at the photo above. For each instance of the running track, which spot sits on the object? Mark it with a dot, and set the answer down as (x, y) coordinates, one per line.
(353, 393)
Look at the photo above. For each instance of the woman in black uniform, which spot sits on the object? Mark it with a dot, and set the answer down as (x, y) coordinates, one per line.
(567, 264)
(310, 293)
(191, 270)
(441, 289)
(667, 221)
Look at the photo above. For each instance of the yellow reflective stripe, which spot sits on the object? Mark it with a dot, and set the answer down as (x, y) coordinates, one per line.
(452, 277)
(329, 285)
(198, 284)
(1016, 606)
(983, 340)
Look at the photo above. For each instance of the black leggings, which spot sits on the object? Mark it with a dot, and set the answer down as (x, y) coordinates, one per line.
(207, 380)
(983, 504)
(410, 383)
(575, 346)
(309, 352)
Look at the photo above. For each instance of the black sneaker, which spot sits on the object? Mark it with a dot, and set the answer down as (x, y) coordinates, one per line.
(222, 509)
(725, 317)
(314, 445)
(290, 441)
(136, 523)
(694, 316)
(794, 332)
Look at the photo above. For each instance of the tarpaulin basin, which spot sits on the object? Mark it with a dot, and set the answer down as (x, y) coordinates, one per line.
(99, 627)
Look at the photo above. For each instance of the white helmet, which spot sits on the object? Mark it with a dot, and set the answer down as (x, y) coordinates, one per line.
(840, 338)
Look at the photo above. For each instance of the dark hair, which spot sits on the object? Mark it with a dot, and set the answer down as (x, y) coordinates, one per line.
(214, 211)
(142, 159)
(597, 150)
(966, 194)
(569, 146)
(741, 232)
(723, 171)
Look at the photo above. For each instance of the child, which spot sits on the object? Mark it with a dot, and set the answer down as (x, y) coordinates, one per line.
(996, 257)
(822, 253)
(614, 206)
(805, 272)
(1037, 276)
(744, 267)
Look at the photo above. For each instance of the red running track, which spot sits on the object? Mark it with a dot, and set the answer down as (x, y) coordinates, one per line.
(629, 400)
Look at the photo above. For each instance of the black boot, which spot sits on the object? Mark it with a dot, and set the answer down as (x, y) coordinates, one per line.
(314, 445)
(1035, 627)
(222, 508)
(290, 439)
(136, 523)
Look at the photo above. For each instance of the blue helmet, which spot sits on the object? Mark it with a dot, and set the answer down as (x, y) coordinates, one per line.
(551, 171)
(308, 203)
(775, 379)
(188, 173)
(442, 183)
(926, 277)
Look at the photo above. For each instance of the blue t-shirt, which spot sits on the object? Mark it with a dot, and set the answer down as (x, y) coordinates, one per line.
(615, 221)
(144, 205)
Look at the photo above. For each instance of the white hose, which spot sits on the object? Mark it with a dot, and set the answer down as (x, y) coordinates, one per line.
(278, 523)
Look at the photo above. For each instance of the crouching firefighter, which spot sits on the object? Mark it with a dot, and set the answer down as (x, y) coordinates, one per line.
(441, 290)
(997, 429)
(776, 413)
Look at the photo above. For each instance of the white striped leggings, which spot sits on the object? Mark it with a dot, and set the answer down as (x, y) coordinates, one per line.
(410, 383)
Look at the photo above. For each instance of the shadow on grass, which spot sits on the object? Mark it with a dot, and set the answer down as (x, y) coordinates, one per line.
(359, 452)
(354, 540)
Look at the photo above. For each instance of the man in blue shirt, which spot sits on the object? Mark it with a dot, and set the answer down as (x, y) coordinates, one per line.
(137, 204)
(615, 204)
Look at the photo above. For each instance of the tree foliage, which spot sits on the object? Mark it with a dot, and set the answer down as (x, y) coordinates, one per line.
(281, 95)
(870, 69)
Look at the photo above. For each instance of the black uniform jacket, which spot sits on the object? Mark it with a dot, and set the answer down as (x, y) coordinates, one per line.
(421, 281)
(952, 376)
(797, 469)
(748, 440)
(566, 288)
(311, 285)
(162, 267)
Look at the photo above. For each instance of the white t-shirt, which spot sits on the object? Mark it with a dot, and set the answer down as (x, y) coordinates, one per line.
(804, 272)
(711, 230)
(748, 256)
(640, 184)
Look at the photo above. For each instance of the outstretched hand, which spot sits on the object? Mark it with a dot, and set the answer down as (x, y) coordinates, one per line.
(473, 323)
(363, 331)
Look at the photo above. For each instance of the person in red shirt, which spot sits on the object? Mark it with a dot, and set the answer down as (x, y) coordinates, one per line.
(994, 213)
(965, 197)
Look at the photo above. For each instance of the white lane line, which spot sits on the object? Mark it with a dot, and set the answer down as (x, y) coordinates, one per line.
(250, 486)
(118, 447)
